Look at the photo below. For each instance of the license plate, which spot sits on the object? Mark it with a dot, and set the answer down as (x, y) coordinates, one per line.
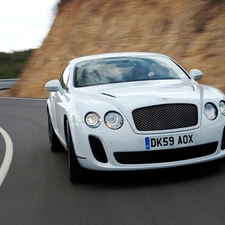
(169, 141)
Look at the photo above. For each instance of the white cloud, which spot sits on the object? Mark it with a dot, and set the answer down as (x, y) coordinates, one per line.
(24, 24)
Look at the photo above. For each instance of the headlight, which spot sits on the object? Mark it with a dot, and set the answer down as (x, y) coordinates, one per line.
(222, 107)
(210, 111)
(113, 120)
(92, 119)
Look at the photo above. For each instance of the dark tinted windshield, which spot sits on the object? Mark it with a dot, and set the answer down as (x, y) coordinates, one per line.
(126, 69)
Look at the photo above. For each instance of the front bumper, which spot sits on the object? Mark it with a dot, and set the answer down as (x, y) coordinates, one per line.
(117, 150)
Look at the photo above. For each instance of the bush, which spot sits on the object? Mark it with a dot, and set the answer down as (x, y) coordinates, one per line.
(11, 64)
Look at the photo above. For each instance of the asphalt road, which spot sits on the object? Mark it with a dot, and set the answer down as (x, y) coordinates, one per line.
(37, 191)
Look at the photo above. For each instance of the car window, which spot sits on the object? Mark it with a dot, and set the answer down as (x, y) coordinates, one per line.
(65, 76)
(126, 69)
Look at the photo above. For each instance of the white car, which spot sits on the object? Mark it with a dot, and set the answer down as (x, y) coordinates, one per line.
(133, 111)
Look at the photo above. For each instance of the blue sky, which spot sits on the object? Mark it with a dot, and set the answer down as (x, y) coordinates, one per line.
(24, 24)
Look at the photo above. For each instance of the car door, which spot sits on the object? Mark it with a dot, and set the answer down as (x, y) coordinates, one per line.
(61, 102)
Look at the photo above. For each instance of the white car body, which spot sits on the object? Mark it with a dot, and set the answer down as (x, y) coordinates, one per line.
(130, 148)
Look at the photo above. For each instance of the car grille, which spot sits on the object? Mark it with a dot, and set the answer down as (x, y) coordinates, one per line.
(167, 155)
(164, 117)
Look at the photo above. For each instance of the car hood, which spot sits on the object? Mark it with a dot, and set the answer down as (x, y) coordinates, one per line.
(131, 95)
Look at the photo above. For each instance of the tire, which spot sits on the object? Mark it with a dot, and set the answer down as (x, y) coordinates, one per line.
(54, 142)
(76, 172)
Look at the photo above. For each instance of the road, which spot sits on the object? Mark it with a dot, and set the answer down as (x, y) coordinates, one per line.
(36, 189)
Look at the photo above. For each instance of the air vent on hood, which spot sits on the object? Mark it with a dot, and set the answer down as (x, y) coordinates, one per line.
(109, 95)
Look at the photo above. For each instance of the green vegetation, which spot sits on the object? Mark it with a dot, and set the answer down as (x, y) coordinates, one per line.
(11, 64)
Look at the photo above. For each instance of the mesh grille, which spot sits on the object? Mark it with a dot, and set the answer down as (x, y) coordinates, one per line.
(168, 155)
(163, 117)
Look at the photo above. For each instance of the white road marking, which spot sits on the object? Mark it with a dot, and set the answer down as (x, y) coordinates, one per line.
(8, 155)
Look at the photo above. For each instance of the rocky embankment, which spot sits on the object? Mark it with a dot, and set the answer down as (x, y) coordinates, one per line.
(190, 31)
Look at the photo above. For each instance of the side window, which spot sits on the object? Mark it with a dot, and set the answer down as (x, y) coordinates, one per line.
(65, 76)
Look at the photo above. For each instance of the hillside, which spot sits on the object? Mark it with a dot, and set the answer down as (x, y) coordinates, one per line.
(190, 31)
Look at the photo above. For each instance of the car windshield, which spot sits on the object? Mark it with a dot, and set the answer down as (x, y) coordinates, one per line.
(126, 69)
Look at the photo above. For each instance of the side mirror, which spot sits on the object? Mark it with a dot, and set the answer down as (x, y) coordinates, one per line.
(196, 74)
(53, 86)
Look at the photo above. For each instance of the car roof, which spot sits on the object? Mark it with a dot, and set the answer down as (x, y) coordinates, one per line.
(117, 54)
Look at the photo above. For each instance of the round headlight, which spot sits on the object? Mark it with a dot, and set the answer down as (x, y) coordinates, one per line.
(210, 111)
(113, 120)
(222, 107)
(92, 119)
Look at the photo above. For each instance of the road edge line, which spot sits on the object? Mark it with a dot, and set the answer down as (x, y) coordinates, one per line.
(8, 155)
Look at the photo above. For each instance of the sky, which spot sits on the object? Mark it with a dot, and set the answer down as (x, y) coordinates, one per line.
(24, 24)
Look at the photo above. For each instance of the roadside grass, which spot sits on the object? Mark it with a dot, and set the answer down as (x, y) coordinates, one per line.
(11, 64)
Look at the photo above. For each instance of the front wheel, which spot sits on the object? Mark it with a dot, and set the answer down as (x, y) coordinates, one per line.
(76, 172)
(54, 142)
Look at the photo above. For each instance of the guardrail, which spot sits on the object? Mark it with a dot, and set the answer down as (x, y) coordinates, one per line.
(7, 83)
